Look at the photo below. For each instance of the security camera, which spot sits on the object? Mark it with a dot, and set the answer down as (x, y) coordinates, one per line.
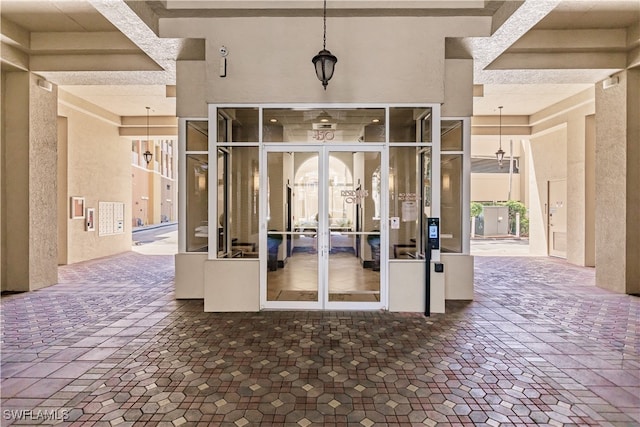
(223, 51)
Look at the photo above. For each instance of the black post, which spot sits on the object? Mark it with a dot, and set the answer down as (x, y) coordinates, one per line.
(427, 281)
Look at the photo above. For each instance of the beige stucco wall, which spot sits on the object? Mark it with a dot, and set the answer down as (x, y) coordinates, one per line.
(459, 276)
(3, 262)
(191, 78)
(16, 191)
(458, 88)
(560, 149)
(487, 145)
(168, 199)
(633, 178)
(63, 197)
(244, 295)
(368, 57)
(140, 196)
(29, 192)
(100, 170)
(407, 287)
(43, 124)
(494, 187)
(190, 275)
(547, 158)
(617, 178)
(569, 115)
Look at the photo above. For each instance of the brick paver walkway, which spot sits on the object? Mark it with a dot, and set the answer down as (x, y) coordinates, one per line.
(109, 345)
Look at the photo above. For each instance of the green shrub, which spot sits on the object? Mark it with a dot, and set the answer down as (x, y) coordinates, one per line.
(476, 209)
(516, 207)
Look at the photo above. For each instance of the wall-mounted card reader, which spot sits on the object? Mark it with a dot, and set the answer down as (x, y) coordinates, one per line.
(433, 237)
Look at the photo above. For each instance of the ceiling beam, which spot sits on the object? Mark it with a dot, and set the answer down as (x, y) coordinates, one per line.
(85, 41)
(572, 40)
(485, 50)
(153, 131)
(560, 60)
(14, 35)
(93, 62)
(141, 121)
(163, 51)
(13, 56)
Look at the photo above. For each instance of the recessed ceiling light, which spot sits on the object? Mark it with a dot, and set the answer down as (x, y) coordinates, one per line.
(375, 120)
(273, 120)
(324, 120)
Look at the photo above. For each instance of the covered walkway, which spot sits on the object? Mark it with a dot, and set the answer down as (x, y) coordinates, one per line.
(110, 345)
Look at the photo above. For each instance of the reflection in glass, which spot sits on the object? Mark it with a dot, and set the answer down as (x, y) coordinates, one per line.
(238, 201)
(404, 201)
(410, 124)
(197, 135)
(451, 199)
(292, 236)
(425, 173)
(238, 124)
(197, 201)
(324, 125)
(409, 200)
(353, 242)
(451, 135)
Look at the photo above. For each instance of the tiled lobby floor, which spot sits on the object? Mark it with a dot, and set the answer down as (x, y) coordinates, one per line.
(540, 345)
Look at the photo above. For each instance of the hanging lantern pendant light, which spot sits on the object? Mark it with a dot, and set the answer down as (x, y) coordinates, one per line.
(500, 153)
(324, 61)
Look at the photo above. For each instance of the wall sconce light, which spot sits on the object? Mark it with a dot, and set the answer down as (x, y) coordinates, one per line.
(46, 85)
(611, 81)
(147, 154)
(256, 189)
(324, 61)
(202, 182)
(500, 152)
(256, 181)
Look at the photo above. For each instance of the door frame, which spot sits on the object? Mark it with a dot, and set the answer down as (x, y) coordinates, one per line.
(323, 303)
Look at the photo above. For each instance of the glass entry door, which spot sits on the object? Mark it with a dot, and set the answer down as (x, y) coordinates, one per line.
(322, 229)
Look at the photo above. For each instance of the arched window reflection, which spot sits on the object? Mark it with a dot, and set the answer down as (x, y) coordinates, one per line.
(375, 192)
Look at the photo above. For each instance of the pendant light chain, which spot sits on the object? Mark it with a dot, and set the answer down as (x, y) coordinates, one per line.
(147, 126)
(500, 127)
(324, 19)
(500, 153)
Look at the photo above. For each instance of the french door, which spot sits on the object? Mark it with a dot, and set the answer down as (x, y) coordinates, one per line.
(323, 246)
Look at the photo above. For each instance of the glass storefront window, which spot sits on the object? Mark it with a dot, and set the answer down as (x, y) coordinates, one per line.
(197, 202)
(238, 125)
(352, 125)
(451, 203)
(409, 200)
(197, 135)
(409, 124)
(451, 135)
(238, 202)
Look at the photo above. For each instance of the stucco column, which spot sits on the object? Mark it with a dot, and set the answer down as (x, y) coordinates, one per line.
(617, 179)
(29, 184)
